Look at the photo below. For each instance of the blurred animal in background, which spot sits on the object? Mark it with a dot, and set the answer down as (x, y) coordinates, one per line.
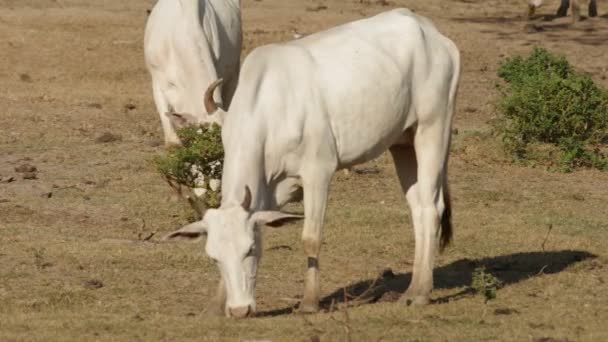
(188, 44)
(562, 11)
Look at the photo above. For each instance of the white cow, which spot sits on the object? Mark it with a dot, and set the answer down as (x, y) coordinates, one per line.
(306, 108)
(187, 45)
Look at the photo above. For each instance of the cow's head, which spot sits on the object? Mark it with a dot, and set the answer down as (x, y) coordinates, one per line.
(234, 242)
(215, 113)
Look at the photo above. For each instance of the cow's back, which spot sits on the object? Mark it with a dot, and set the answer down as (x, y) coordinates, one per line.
(368, 81)
(189, 44)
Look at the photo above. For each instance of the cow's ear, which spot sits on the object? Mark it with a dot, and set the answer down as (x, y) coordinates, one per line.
(192, 232)
(274, 218)
(181, 120)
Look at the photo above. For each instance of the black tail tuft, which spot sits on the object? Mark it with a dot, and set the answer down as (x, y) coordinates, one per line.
(446, 221)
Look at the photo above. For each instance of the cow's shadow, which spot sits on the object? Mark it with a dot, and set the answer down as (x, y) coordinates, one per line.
(509, 269)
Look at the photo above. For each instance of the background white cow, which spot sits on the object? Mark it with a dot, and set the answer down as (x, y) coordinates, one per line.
(330, 100)
(188, 44)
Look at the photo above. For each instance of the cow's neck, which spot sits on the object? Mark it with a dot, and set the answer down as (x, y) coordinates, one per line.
(244, 166)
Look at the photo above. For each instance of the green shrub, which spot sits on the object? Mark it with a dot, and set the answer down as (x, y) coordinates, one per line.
(196, 163)
(545, 101)
(485, 284)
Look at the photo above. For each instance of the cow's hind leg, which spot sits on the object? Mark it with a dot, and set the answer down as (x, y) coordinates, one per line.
(422, 174)
(592, 8)
(562, 11)
(316, 187)
(404, 157)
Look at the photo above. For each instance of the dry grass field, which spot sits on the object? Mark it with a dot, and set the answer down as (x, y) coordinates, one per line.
(79, 253)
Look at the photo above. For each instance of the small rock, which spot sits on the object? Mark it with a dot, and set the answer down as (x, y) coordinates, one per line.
(316, 8)
(550, 339)
(532, 28)
(505, 311)
(30, 175)
(4, 200)
(93, 284)
(25, 168)
(25, 78)
(108, 137)
(130, 106)
(8, 180)
(47, 195)
(95, 105)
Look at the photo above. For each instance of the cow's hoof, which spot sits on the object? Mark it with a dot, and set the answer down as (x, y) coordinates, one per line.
(308, 308)
(414, 300)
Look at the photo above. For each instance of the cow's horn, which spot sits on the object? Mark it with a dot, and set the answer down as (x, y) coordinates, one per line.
(210, 104)
(246, 204)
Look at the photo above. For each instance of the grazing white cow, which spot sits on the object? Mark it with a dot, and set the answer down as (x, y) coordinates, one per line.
(187, 45)
(562, 11)
(330, 100)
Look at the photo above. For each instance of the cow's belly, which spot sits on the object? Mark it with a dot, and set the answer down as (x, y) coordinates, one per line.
(363, 140)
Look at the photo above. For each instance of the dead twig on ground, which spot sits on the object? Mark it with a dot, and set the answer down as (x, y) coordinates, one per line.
(550, 226)
(346, 322)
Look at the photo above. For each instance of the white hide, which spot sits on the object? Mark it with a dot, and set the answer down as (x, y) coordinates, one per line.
(188, 44)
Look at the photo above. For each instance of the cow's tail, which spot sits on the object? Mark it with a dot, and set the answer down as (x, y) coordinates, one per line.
(447, 230)
(446, 234)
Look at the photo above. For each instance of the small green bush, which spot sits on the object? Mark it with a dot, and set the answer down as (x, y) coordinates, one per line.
(196, 163)
(485, 283)
(546, 102)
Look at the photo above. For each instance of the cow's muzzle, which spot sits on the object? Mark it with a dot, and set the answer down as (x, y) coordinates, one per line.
(240, 312)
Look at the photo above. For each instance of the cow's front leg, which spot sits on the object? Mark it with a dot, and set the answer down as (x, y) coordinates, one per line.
(316, 188)
(562, 11)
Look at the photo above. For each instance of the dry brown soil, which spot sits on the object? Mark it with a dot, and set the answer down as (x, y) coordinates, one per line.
(78, 260)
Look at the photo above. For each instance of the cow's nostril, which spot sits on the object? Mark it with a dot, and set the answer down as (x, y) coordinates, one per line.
(240, 312)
